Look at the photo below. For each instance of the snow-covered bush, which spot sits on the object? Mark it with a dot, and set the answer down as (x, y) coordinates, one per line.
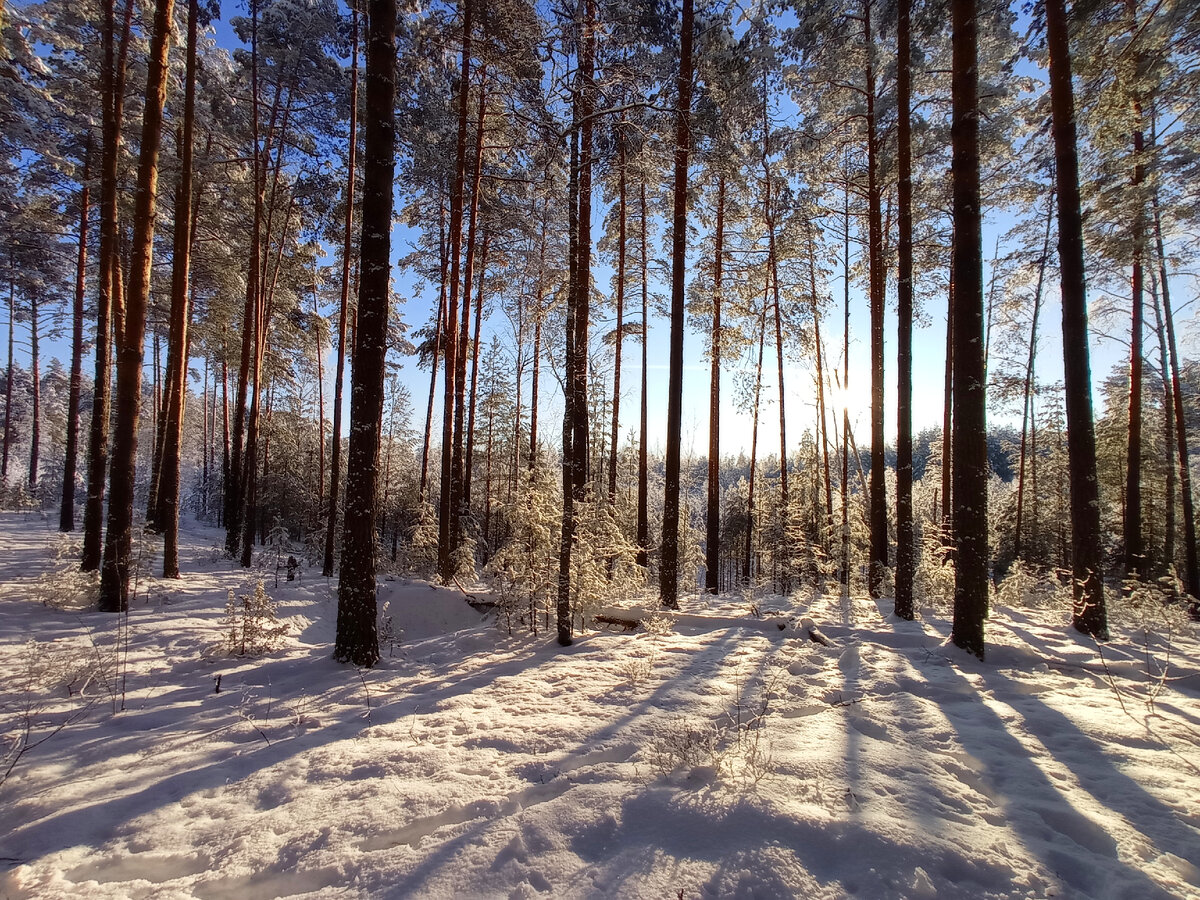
(934, 582)
(67, 588)
(251, 624)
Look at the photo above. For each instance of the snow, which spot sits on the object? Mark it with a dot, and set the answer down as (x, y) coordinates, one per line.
(473, 763)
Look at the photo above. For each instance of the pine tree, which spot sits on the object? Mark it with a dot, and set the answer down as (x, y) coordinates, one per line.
(970, 429)
(115, 570)
(669, 569)
(1090, 614)
(357, 639)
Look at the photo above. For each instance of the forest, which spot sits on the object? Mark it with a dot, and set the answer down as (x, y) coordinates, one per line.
(621, 324)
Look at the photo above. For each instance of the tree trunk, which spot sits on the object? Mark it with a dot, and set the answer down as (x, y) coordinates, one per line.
(339, 371)
(643, 487)
(620, 332)
(35, 426)
(470, 451)
(948, 413)
(66, 518)
(446, 514)
(1090, 614)
(748, 555)
(906, 557)
(168, 518)
(970, 424)
(669, 570)
(116, 566)
(846, 388)
(357, 640)
(112, 90)
(878, 275)
(438, 328)
(8, 381)
(1027, 410)
(712, 539)
(1168, 555)
(1191, 565)
(1135, 550)
(460, 510)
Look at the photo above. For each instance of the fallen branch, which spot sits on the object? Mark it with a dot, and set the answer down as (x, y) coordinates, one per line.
(815, 635)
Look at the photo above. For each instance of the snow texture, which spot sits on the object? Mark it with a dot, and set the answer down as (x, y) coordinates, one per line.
(722, 756)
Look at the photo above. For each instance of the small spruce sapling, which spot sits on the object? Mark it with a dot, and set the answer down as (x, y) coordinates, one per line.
(251, 624)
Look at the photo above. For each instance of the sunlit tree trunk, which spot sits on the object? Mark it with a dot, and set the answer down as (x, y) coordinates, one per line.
(115, 569)
(1090, 614)
(339, 370)
(168, 518)
(66, 518)
(446, 513)
(357, 640)
(906, 560)
(712, 541)
(878, 275)
(970, 424)
(669, 571)
(112, 92)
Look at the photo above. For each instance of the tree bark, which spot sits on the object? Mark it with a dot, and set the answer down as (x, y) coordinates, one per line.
(712, 538)
(1027, 411)
(878, 275)
(112, 90)
(460, 490)
(970, 423)
(66, 518)
(471, 395)
(357, 640)
(1191, 564)
(620, 332)
(435, 358)
(339, 372)
(116, 566)
(1135, 550)
(1090, 614)
(906, 558)
(168, 514)
(446, 513)
(669, 570)
(643, 487)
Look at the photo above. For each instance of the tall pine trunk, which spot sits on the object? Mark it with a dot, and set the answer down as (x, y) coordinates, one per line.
(1191, 565)
(669, 571)
(357, 640)
(620, 329)
(712, 538)
(112, 91)
(878, 275)
(117, 563)
(970, 423)
(1090, 613)
(643, 486)
(66, 518)
(447, 535)
(435, 357)
(168, 517)
(906, 560)
(1028, 415)
(339, 371)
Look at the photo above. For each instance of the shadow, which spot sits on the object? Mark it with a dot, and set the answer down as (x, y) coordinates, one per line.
(1065, 840)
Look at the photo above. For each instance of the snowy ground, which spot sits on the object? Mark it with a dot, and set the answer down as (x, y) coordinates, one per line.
(475, 764)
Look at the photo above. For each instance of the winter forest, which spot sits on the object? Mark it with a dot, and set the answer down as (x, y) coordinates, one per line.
(607, 448)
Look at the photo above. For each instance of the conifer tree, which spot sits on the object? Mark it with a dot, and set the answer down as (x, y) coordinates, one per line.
(357, 638)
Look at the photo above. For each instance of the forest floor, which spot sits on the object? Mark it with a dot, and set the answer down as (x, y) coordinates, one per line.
(715, 756)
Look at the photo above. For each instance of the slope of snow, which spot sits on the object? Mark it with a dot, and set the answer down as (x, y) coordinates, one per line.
(721, 757)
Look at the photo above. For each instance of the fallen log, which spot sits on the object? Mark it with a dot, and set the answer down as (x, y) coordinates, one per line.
(627, 624)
